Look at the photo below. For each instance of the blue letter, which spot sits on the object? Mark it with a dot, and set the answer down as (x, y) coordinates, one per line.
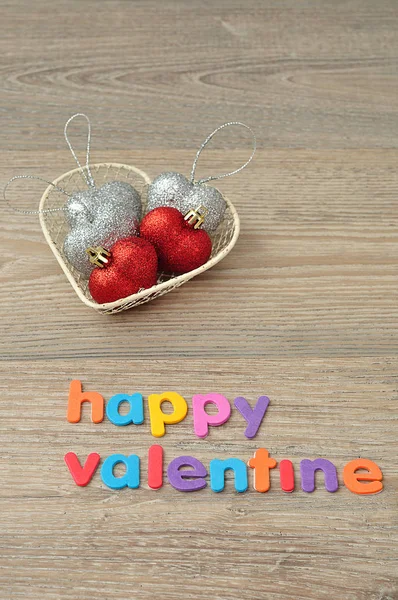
(130, 479)
(135, 415)
(217, 474)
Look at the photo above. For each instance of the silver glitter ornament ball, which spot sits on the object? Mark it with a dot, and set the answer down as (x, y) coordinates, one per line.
(100, 217)
(173, 189)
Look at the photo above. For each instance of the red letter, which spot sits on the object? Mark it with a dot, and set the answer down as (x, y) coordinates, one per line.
(286, 473)
(82, 475)
(155, 467)
(77, 397)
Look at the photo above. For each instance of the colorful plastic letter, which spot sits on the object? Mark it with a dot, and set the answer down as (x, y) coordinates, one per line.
(308, 468)
(202, 420)
(77, 397)
(158, 418)
(262, 463)
(286, 474)
(253, 416)
(131, 477)
(363, 483)
(135, 415)
(82, 475)
(217, 474)
(184, 480)
(155, 467)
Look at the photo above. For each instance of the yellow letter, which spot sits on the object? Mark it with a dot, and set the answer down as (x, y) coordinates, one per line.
(158, 418)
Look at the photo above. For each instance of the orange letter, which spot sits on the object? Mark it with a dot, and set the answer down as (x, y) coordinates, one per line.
(77, 397)
(354, 481)
(261, 463)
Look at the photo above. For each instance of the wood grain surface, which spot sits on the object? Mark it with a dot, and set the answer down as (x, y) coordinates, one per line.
(303, 310)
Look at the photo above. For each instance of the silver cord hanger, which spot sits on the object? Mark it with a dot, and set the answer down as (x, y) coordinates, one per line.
(207, 140)
(87, 177)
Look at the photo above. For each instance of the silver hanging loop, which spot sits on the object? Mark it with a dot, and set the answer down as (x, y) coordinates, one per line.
(207, 140)
(88, 178)
(33, 212)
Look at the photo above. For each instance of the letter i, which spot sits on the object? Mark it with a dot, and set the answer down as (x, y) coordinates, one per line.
(286, 471)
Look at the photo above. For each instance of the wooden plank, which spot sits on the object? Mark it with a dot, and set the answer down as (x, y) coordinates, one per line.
(303, 309)
(61, 541)
(314, 272)
(304, 74)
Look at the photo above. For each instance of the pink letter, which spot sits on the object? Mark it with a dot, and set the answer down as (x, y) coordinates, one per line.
(202, 420)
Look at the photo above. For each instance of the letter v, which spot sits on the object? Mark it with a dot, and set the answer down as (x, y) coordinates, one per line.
(82, 475)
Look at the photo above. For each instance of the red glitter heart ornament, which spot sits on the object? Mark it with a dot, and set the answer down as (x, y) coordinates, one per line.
(130, 265)
(181, 248)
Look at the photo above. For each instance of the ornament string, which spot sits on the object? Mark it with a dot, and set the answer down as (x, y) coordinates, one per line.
(88, 178)
(33, 212)
(207, 140)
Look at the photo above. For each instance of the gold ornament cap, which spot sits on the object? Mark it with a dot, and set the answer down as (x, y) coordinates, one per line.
(196, 217)
(98, 256)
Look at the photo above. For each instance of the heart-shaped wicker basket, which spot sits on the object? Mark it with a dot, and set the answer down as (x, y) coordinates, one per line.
(55, 228)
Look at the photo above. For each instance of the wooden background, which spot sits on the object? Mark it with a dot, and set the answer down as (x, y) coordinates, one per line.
(304, 309)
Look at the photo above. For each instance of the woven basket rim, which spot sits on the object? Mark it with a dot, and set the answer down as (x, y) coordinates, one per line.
(108, 306)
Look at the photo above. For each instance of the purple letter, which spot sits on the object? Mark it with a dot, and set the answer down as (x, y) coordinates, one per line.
(187, 481)
(253, 416)
(308, 468)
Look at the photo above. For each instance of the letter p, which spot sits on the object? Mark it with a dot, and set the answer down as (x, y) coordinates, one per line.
(158, 418)
(201, 419)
